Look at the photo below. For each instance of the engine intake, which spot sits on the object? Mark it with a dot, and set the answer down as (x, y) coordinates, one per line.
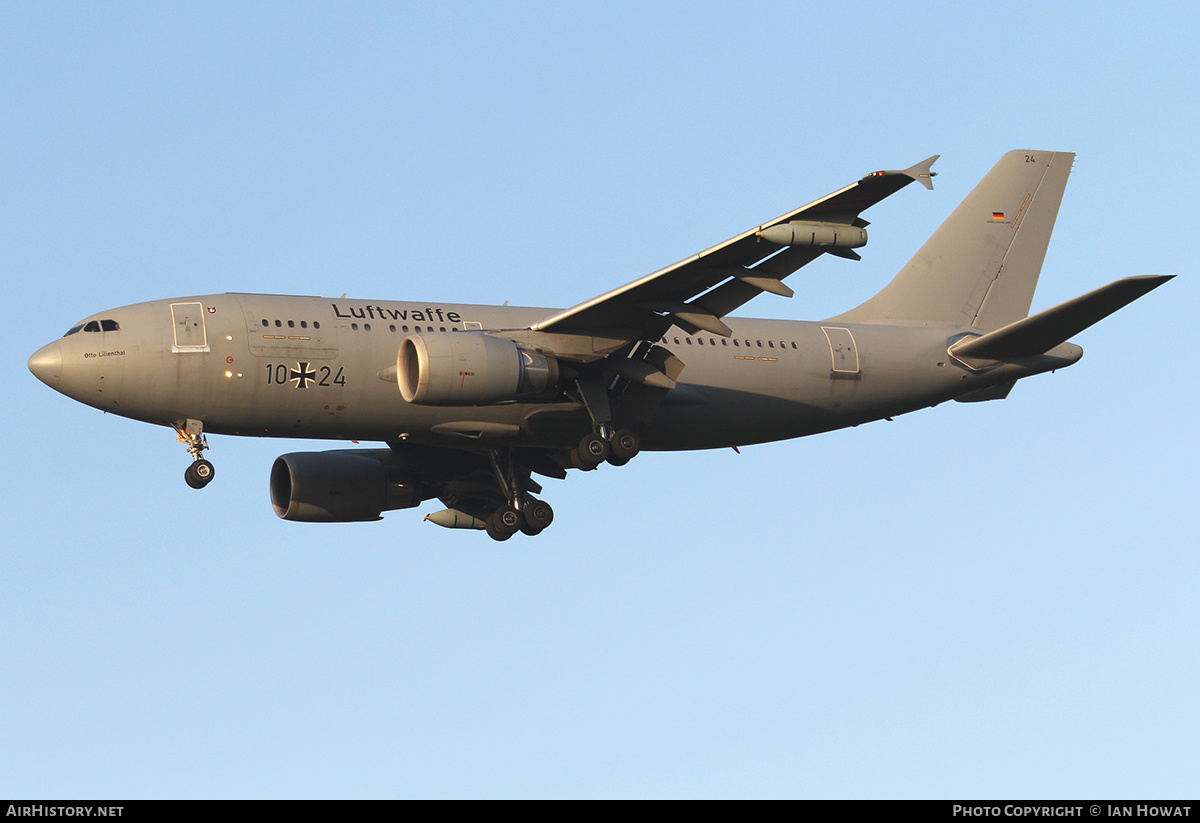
(470, 369)
(338, 486)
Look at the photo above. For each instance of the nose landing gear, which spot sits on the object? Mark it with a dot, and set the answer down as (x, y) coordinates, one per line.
(201, 472)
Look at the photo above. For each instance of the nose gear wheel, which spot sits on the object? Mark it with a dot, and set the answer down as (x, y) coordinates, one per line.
(201, 472)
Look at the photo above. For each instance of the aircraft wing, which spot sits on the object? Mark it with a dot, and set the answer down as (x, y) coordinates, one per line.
(698, 291)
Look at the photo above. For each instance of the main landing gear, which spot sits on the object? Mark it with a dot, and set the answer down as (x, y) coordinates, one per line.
(526, 514)
(522, 513)
(201, 472)
(617, 447)
(531, 518)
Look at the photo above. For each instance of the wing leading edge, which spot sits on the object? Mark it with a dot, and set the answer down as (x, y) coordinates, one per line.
(698, 291)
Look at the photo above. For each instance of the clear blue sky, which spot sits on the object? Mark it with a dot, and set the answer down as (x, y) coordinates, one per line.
(980, 600)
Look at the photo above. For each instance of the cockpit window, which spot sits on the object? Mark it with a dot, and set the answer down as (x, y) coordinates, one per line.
(95, 325)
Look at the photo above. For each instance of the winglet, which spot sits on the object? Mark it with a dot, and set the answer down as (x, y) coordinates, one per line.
(922, 172)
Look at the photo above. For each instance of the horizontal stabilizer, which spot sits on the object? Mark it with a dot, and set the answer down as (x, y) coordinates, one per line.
(1043, 331)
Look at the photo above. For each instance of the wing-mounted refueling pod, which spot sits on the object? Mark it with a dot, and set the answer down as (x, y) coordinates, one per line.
(454, 519)
(835, 238)
(840, 233)
(804, 233)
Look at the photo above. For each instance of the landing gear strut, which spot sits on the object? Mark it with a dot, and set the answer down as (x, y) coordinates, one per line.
(201, 472)
(617, 447)
(522, 513)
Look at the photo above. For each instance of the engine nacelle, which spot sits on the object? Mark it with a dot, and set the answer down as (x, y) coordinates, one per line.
(338, 486)
(470, 369)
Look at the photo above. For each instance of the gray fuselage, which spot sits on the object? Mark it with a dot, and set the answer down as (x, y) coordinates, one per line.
(312, 367)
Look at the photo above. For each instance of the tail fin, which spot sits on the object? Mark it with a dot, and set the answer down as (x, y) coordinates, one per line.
(981, 266)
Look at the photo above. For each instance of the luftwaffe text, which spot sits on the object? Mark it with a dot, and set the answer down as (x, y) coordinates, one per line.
(369, 312)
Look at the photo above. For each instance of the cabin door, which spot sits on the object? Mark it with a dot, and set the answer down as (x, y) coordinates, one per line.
(190, 334)
(842, 350)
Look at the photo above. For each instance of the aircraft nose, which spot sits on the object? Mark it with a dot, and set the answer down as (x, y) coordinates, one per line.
(46, 364)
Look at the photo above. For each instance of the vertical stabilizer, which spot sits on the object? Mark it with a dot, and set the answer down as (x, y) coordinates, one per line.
(981, 266)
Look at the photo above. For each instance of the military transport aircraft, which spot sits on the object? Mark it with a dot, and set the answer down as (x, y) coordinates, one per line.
(471, 401)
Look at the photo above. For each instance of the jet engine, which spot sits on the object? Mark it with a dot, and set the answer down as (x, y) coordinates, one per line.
(338, 486)
(470, 369)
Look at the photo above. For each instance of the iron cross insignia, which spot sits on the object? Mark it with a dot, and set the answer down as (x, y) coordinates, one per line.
(302, 375)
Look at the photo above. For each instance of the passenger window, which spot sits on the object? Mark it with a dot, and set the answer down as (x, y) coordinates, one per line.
(392, 327)
(735, 342)
(278, 324)
(354, 326)
(366, 326)
(265, 323)
(304, 324)
(316, 325)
